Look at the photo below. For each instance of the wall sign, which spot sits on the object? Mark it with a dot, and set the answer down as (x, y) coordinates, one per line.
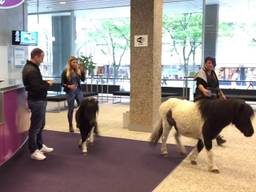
(140, 40)
(19, 57)
(7, 4)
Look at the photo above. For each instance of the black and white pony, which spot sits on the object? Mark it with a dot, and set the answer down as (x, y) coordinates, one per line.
(202, 120)
(86, 121)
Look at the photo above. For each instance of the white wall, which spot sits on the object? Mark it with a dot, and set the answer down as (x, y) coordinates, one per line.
(3, 62)
(11, 19)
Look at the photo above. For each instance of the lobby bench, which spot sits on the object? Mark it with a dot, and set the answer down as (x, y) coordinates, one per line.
(167, 92)
(101, 90)
(95, 89)
(245, 94)
(109, 90)
(55, 94)
(89, 90)
(177, 92)
(119, 94)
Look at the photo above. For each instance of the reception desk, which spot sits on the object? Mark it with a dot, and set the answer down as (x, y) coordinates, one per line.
(14, 118)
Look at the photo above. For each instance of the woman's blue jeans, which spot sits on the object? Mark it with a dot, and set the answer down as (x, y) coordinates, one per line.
(71, 97)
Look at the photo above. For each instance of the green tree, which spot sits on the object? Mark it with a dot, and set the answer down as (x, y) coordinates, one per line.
(87, 63)
(226, 29)
(185, 32)
(113, 36)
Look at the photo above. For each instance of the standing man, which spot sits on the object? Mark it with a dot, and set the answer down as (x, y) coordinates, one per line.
(36, 88)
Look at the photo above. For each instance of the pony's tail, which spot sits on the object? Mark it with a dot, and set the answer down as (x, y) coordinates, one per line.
(157, 133)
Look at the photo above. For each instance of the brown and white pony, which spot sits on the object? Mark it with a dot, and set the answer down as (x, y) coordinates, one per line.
(202, 120)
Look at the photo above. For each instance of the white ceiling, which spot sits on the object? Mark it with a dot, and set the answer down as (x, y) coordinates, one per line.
(45, 6)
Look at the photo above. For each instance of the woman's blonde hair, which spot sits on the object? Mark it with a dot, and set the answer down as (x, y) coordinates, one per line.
(70, 69)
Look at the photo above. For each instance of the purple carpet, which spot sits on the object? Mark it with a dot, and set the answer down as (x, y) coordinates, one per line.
(112, 165)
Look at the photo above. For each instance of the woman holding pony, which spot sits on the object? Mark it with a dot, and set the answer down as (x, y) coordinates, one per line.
(207, 86)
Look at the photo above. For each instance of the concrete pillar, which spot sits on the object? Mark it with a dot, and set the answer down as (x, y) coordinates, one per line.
(62, 31)
(211, 29)
(146, 20)
(73, 33)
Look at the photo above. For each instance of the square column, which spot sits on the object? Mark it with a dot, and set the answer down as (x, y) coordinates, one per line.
(146, 45)
(211, 17)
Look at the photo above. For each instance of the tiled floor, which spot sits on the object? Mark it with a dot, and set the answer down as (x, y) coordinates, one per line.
(236, 160)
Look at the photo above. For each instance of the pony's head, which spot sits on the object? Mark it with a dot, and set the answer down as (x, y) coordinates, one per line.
(243, 118)
(89, 107)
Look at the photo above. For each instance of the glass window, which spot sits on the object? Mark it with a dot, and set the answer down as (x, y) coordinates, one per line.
(236, 43)
(182, 40)
(104, 34)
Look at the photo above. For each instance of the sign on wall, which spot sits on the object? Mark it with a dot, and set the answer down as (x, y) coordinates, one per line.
(8, 4)
(140, 40)
(19, 57)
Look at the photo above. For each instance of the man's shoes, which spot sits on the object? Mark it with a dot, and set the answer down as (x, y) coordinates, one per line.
(46, 149)
(220, 140)
(37, 155)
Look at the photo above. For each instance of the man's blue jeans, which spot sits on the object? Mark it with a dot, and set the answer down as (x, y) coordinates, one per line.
(37, 122)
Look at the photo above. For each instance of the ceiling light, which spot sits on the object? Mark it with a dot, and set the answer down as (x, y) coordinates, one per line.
(62, 2)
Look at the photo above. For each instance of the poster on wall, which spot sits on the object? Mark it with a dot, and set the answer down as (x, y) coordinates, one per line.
(19, 57)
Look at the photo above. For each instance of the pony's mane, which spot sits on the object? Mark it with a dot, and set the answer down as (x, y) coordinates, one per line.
(224, 110)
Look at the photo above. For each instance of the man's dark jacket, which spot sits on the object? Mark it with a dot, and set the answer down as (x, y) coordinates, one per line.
(33, 82)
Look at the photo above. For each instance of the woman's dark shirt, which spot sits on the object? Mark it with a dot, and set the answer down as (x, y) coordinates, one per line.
(211, 84)
(75, 79)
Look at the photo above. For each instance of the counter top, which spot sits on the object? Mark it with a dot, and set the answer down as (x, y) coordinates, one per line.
(10, 84)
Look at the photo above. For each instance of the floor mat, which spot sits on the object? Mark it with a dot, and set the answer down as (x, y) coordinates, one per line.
(111, 165)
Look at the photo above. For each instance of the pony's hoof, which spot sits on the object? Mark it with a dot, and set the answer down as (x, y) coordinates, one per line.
(84, 151)
(193, 162)
(164, 154)
(214, 170)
